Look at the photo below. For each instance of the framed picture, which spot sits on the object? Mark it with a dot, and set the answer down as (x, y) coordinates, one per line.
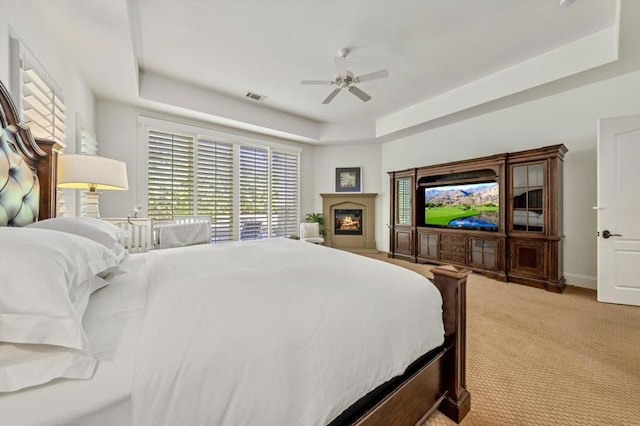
(348, 179)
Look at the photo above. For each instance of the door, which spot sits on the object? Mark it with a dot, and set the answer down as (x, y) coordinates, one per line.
(618, 207)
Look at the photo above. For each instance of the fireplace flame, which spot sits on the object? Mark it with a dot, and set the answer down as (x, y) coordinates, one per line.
(349, 224)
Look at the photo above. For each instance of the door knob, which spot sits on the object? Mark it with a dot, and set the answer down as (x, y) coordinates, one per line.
(607, 234)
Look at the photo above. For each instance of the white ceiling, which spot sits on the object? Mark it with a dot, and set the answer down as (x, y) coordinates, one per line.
(229, 47)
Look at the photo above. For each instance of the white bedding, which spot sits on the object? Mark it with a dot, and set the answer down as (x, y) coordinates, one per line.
(112, 322)
(275, 332)
(269, 332)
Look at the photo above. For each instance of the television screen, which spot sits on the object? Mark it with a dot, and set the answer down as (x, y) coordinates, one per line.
(471, 206)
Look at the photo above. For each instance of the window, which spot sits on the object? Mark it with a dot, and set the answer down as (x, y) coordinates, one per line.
(88, 146)
(254, 192)
(170, 173)
(41, 104)
(249, 191)
(215, 187)
(284, 194)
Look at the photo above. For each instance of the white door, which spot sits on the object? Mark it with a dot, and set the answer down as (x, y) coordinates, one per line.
(619, 210)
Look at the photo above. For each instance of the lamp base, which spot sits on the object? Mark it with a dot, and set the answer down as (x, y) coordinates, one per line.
(91, 209)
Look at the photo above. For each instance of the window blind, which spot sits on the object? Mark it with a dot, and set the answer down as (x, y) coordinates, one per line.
(254, 192)
(403, 203)
(43, 109)
(249, 192)
(214, 187)
(88, 146)
(170, 175)
(284, 194)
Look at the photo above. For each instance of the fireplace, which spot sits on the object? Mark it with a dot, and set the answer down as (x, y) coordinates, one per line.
(347, 221)
(358, 233)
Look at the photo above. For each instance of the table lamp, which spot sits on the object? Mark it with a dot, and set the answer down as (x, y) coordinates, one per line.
(91, 172)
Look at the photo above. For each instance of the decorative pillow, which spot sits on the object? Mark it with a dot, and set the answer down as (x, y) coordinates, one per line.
(45, 281)
(97, 230)
(23, 365)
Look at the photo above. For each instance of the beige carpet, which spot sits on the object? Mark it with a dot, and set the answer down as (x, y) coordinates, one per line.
(541, 358)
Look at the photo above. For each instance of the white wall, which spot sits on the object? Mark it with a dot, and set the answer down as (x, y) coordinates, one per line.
(27, 22)
(118, 131)
(569, 118)
(366, 156)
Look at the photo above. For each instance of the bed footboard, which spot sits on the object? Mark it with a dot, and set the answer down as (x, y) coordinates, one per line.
(452, 283)
(436, 380)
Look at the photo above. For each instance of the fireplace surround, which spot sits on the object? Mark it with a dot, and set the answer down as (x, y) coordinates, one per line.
(337, 206)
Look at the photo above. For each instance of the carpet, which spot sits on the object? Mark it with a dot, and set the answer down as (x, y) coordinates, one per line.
(541, 358)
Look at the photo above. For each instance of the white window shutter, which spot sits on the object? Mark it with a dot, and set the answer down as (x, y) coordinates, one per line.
(214, 180)
(170, 173)
(284, 194)
(43, 109)
(254, 192)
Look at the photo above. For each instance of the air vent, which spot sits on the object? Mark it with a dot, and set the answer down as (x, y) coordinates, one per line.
(255, 96)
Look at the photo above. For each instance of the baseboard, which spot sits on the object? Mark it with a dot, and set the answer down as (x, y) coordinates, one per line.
(584, 281)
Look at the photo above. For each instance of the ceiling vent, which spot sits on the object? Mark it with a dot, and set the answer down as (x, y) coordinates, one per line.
(255, 96)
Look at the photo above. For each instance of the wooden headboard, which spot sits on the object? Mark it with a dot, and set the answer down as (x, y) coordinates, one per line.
(19, 188)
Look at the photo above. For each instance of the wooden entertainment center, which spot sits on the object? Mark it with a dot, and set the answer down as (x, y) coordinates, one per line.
(524, 242)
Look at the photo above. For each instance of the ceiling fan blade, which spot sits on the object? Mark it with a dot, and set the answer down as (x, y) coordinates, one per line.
(331, 96)
(359, 93)
(371, 76)
(341, 65)
(317, 82)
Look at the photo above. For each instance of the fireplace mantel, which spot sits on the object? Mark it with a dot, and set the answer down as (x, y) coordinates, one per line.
(345, 201)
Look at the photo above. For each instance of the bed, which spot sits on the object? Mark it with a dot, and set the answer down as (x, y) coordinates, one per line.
(272, 331)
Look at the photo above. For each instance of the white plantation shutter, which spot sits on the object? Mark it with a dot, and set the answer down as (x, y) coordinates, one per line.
(284, 194)
(403, 204)
(214, 186)
(44, 111)
(254, 191)
(249, 192)
(170, 174)
(42, 107)
(88, 146)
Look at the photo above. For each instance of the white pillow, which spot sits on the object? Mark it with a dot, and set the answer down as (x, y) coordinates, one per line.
(45, 281)
(24, 365)
(97, 230)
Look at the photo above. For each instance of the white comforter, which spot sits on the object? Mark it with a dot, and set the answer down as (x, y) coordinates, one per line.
(274, 332)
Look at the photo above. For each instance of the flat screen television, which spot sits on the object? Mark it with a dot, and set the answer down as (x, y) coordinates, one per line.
(469, 206)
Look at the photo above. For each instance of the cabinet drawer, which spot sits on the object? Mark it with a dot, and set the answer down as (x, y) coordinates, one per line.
(452, 257)
(452, 238)
(452, 248)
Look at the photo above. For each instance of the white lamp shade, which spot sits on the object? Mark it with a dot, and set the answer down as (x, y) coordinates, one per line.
(84, 171)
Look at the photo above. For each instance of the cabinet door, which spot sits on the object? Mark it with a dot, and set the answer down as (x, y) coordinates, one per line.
(403, 241)
(428, 244)
(402, 233)
(528, 258)
(528, 197)
(483, 252)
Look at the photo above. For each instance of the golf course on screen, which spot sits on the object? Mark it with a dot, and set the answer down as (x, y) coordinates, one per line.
(463, 206)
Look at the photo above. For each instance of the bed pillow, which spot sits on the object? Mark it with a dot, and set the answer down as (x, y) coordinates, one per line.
(97, 230)
(46, 278)
(24, 365)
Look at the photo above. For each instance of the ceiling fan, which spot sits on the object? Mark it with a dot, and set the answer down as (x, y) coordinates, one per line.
(345, 79)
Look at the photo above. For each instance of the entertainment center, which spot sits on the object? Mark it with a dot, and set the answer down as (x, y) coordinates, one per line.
(500, 215)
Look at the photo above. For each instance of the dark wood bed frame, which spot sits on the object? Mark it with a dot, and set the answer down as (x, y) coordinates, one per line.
(40, 154)
(435, 381)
